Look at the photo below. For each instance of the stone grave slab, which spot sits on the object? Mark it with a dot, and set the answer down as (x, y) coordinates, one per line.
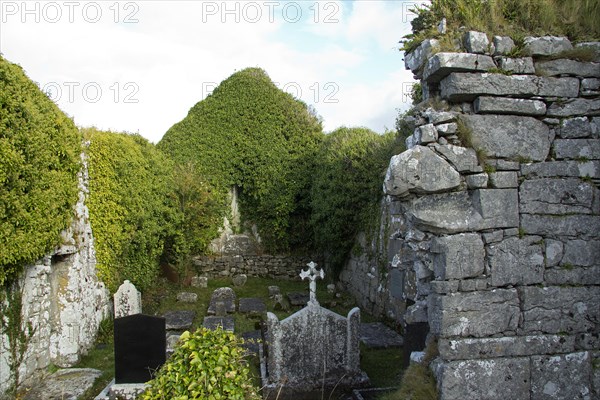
(187, 297)
(298, 298)
(376, 335)
(224, 294)
(140, 347)
(213, 322)
(252, 341)
(179, 320)
(252, 306)
(67, 384)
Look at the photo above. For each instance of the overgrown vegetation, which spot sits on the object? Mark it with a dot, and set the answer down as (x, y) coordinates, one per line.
(39, 161)
(576, 19)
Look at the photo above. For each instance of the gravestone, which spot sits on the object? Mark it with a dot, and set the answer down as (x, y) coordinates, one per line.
(312, 349)
(273, 291)
(187, 297)
(213, 322)
(224, 294)
(140, 347)
(252, 306)
(179, 320)
(239, 280)
(128, 300)
(298, 299)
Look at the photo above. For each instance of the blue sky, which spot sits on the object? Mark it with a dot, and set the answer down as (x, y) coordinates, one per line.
(139, 66)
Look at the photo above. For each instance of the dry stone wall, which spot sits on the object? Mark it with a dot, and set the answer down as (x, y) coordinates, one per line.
(492, 220)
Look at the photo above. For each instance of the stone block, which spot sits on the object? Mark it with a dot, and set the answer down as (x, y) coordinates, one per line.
(471, 285)
(557, 196)
(444, 287)
(559, 377)
(416, 59)
(477, 181)
(596, 370)
(573, 107)
(508, 136)
(595, 46)
(200, 281)
(590, 87)
(575, 128)
(554, 252)
(573, 275)
(492, 237)
(568, 67)
(509, 346)
(442, 64)
(215, 322)
(458, 256)
(426, 134)
(506, 105)
(459, 87)
(546, 45)
(447, 129)
(439, 117)
(187, 297)
(502, 45)
(225, 295)
(577, 149)
(252, 305)
(559, 310)
(462, 158)
(419, 170)
(553, 226)
(503, 165)
(490, 379)
(561, 169)
(517, 261)
(504, 179)
(476, 314)
(499, 208)
(584, 253)
(519, 65)
(179, 320)
(477, 42)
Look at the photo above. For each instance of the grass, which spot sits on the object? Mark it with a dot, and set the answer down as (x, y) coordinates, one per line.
(383, 366)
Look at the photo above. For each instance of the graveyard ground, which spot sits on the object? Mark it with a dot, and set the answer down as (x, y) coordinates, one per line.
(383, 366)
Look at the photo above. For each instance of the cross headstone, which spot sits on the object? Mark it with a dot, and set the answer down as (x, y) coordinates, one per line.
(312, 274)
(128, 300)
(140, 346)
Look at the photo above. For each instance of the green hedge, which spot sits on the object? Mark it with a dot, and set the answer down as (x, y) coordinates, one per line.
(347, 187)
(130, 204)
(39, 162)
(251, 134)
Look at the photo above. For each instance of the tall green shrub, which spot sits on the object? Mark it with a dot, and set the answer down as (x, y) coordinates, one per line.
(251, 134)
(130, 208)
(351, 164)
(39, 162)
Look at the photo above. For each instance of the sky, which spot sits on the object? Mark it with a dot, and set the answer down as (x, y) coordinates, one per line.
(139, 66)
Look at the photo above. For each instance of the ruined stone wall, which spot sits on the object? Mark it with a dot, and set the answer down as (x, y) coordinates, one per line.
(493, 220)
(63, 302)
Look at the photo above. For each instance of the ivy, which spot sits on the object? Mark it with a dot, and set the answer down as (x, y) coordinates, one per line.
(39, 161)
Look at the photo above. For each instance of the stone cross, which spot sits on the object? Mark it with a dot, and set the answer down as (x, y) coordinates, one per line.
(312, 274)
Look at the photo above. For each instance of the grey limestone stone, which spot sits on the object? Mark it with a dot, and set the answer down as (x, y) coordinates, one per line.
(590, 87)
(573, 107)
(491, 379)
(573, 275)
(239, 280)
(584, 253)
(516, 261)
(215, 322)
(416, 59)
(447, 129)
(477, 314)
(577, 149)
(504, 179)
(442, 64)
(519, 65)
(477, 181)
(462, 158)
(561, 377)
(503, 45)
(439, 117)
(458, 87)
(127, 300)
(458, 256)
(557, 196)
(187, 297)
(507, 136)
(477, 42)
(546, 45)
(444, 287)
(426, 134)
(200, 281)
(553, 226)
(575, 128)
(506, 105)
(509, 346)
(503, 165)
(511, 232)
(225, 295)
(471, 285)
(68, 383)
(561, 169)
(492, 237)
(568, 67)
(419, 170)
(252, 305)
(554, 252)
(498, 207)
(179, 320)
(559, 309)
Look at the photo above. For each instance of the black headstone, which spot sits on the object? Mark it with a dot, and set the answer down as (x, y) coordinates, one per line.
(140, 348)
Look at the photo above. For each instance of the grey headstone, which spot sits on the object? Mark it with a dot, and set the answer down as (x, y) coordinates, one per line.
(239, 280)
(224, 294)
(187, 297)
(213, 322)
(252, 305)
(179, 320)
(127, 300)
(298, 298)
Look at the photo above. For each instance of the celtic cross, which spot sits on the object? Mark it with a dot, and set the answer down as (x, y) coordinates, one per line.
(312, 274)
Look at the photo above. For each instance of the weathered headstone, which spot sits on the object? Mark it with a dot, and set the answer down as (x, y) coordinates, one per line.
(224, 294)
(179, 320)
(128, 300)
(274, 290)
(220, 309)
(239, 280)
(252, 305)
(213, 322)
(298, 299)
(140, 347)
(187, 297)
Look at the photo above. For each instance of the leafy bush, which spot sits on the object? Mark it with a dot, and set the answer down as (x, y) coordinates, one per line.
(251, 134)
(39, 162)
(351, 164)
(206, 364)
(130, 209)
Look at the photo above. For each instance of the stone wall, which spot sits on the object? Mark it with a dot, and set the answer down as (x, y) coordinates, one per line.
(492, 220)
(63, 302)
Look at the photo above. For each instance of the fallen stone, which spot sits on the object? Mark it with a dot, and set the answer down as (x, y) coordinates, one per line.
(376, 335)
(517, 261)
(476, 42)
(213, 323)
(577, 149)
(562, 169)
(460, 87)
(568, 67)
(419, 170)
(573, 107)
(519, 65)
(575, 128)
(553, 226)
(507, 136)
(179, 320)
(503, 45)
(458, 256)
(64, 384)
(462, 158)
(504, 179)
(564, 376)
(252, 305)
(546, 45)
(557, 196)
(187, 297)
(442, 64)
(505, 105)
